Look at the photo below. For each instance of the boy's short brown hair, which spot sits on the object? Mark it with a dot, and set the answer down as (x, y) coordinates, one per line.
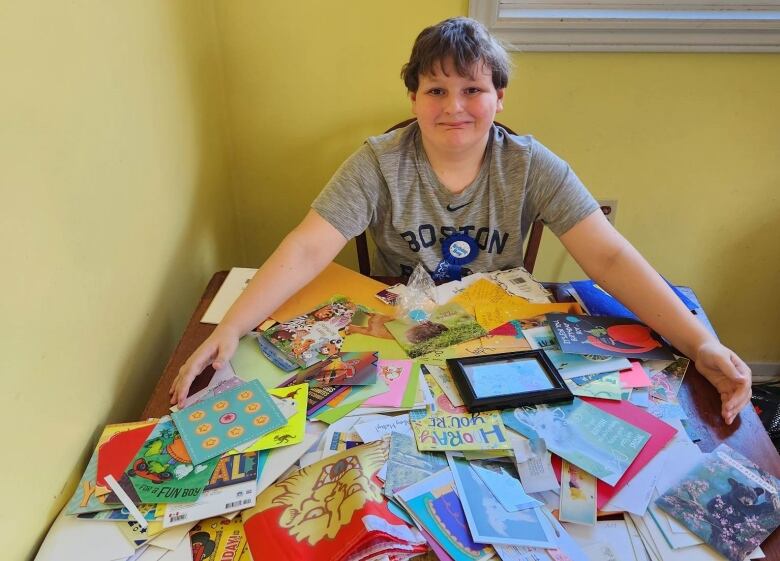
(466, 42)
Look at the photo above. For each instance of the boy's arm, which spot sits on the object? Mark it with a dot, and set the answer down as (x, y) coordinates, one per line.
(301, 256)
(614, 264)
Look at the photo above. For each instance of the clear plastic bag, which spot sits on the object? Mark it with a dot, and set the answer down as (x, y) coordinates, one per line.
(419, 298)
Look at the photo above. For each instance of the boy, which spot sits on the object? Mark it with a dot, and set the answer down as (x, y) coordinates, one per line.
(454, 175)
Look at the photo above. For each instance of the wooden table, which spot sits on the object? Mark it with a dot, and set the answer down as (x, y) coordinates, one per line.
(697, 396)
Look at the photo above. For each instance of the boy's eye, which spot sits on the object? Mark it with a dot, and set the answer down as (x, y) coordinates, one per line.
(472, 91)
(436, 91)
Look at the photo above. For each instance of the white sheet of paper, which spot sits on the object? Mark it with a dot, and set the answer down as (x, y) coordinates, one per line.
(182, 553)
(232, 287)
(636, 495)
(445, 292)
(280, 459)
(611, 532)
(171, 538)
(152, 553)
(86, 540)
(537, 474)
(376, 429)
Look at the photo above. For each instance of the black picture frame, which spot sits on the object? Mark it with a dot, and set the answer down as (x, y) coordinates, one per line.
(477, 396)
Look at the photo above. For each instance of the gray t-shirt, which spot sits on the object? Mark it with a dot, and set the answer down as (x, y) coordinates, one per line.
(389, 188)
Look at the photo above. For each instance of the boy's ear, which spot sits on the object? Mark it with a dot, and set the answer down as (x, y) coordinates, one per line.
(500, 102)
(413, 99)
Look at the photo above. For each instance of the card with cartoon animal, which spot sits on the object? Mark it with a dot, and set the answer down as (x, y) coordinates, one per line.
(215, 425)
(447, 325)
(578, 496)
(728, 501)
(593, 440)
(394, 373)
(343, 369)
(331, 509)
(310, 338)
(611, 336)
(162, 471)
(218, 538)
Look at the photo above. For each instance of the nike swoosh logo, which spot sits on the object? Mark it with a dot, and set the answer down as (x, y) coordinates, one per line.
(454, 208)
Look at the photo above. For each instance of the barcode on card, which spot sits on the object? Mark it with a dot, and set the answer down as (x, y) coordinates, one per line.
(176, 517)
(517, 280)
(235, 504)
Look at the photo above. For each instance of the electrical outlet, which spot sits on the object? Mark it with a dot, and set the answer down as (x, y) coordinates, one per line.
(609, 208)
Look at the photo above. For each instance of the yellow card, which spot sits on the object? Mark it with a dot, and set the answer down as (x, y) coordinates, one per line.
(293, 431)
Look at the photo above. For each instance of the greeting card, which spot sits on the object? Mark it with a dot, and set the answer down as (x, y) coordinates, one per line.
(728, 501)
(162, 471)
(602, 335)
(215, 425)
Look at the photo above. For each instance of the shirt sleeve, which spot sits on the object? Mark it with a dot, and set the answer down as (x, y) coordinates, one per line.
(555, 192)
(349, 200)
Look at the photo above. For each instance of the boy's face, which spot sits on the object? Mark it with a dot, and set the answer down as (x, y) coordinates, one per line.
(455, 112)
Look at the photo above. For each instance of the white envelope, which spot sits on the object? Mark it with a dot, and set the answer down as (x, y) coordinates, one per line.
(86, 540)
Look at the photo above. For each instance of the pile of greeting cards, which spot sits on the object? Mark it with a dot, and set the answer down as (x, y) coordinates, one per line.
(362, 447)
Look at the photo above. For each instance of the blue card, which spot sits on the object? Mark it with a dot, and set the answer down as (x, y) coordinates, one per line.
(215, 425)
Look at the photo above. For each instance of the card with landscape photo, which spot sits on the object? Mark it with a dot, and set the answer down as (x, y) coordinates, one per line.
(612, 336)
(447, 325)
(728, 501)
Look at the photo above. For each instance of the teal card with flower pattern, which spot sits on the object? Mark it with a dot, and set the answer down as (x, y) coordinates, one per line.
(218, 424)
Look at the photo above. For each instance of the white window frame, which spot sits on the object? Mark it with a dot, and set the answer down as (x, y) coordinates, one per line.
(639, 25)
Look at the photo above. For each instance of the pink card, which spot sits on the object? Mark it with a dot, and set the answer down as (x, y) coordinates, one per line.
(395, 373)
(636, 377)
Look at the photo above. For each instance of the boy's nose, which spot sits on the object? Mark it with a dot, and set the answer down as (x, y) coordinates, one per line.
(454, 104)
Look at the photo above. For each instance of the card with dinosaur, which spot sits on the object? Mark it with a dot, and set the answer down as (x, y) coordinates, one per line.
(162, 471)
(294, 430)
(611, 336)
(215, 425)
(310, 338)
(728, 501)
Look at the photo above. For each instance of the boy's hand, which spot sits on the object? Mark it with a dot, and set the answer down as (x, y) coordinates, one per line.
(728, 373)
(217, 350)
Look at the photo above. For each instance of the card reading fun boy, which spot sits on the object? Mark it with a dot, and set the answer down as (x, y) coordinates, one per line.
(215, 425)
(162, 470)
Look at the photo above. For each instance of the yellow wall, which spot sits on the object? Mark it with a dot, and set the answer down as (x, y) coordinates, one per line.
(115, 212)
(687, 143)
